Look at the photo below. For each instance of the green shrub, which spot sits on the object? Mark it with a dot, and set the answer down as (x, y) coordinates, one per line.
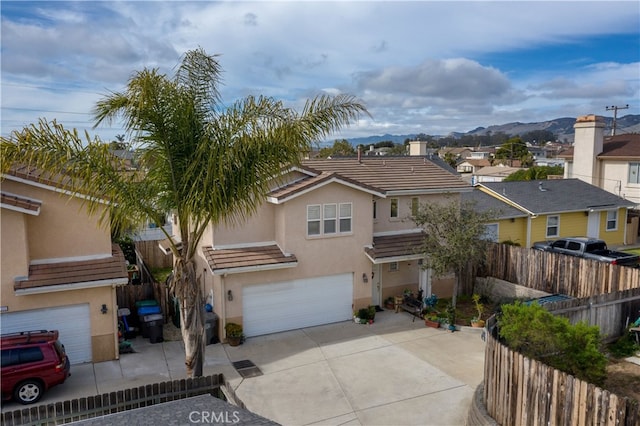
(538, 334)
(625, 346)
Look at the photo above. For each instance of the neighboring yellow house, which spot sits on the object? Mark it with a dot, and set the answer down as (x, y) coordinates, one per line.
(553, 209)
(334, 236)
(59, 267)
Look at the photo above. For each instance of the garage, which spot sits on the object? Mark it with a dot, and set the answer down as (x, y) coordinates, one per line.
(289, 305)
(72, 322)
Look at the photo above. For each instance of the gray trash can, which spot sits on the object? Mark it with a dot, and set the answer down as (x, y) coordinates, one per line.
(211, 328)
(154, 324)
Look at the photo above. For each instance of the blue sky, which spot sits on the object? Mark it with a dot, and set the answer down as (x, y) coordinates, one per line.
(419, 66)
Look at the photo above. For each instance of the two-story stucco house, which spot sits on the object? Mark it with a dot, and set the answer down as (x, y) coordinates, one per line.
(333, 236)
(59, 267)
(611, 163)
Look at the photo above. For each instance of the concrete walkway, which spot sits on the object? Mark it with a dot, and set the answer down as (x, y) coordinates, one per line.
(394, 371)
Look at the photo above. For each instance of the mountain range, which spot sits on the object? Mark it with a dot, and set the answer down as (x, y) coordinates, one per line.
(561, 127)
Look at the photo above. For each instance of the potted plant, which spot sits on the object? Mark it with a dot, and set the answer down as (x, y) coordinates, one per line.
(451, 317)
(389, 303)
(234, 333)
(477, 321)
(431, 320)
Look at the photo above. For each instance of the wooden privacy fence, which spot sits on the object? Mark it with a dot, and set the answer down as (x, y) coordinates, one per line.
(150, 252)
(557, 273)
(523, 391)
(114, 402)
(128, 295)
(612, 312)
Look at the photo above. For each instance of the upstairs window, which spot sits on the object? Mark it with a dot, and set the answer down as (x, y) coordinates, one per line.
(394, 208)
(612, 220)
(345, 217)
(375, 209)
(313, 219)
(328, 219)
(634, 173)
(415, 206)
(553, 226)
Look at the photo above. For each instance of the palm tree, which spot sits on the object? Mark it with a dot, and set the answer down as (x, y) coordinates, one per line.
(205, 163)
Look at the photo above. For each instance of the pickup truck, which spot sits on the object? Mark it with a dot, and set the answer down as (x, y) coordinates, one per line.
(588, 248)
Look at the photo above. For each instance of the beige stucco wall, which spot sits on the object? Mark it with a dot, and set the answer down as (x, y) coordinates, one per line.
(385, 223)
(64, 223)
(61, 230)
(249, 230)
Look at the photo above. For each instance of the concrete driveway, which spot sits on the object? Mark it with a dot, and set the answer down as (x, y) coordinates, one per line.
(394, 371)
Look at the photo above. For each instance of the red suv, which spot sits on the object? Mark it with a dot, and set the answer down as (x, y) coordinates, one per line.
(32, 362)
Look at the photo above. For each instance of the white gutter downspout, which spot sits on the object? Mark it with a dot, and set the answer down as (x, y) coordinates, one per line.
(528, 231)
(223, 320)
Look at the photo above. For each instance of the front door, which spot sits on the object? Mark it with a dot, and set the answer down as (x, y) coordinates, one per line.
(376, 290)
(593, 225)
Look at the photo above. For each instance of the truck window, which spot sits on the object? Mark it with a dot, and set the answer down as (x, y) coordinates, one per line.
(575, 246)
(596, 247)
(558, 244)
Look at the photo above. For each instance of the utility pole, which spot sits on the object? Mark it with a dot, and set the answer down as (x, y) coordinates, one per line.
(615, 109)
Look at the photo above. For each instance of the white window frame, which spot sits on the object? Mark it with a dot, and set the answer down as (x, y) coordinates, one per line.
(394, 266)
(489, 234)
(556, 226)
(329, 219)
(345, 218)
(634, 174)
(314, 220)
(612, 218)
(394, 202)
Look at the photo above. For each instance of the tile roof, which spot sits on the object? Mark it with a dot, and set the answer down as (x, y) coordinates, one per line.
(300, 186)
(96, 271)
(484, 202)
(392, 174)
(556, 195)
(19, 203)
(242, 259)
(398, 246)
(627, 146)
(37, 175)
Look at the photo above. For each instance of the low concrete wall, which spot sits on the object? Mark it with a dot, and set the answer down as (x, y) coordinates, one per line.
(504, 291)
(477, 415)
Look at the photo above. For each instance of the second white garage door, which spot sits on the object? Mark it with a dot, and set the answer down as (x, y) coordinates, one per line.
(269, 308)
(72, 322)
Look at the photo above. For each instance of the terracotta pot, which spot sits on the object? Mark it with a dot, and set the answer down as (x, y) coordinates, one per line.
(429, 323)
(234, 340)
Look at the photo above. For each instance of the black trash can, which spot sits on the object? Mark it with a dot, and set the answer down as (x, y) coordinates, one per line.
(211, 328)
(154, 324)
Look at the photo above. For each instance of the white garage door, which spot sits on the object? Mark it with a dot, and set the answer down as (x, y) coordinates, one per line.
(72, 322)
(269, 308)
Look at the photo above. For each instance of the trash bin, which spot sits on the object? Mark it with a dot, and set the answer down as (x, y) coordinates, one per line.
(154, 324)
(142, 313)
(211, 328)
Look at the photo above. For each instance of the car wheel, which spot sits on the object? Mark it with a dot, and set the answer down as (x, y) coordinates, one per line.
(28, 392)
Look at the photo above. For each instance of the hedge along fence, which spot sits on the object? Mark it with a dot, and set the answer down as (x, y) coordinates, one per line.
(612, 312)
(557, 273)
(523, 391)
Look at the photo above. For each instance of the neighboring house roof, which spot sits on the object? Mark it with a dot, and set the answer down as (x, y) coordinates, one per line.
(20, 204)
(485, 203)
(396, 247)
(498, 171)
(392, 175)
(555, 196)
(73, 275)
(247, 259)
(618, 146)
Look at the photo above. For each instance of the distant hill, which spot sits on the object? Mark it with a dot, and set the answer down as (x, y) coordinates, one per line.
(561, 127)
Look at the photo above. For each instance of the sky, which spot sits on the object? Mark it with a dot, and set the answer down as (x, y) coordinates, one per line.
(430, 67)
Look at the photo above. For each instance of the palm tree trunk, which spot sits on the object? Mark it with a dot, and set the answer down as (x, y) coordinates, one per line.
(187, 290)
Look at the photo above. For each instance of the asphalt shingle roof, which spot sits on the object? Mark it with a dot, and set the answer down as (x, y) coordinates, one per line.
(484, 202)
(556, 195)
